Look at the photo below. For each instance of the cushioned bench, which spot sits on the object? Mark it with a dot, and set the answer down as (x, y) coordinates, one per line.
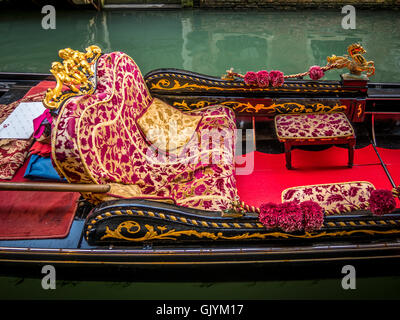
(335, 198)
(142, 147)
(314, 129)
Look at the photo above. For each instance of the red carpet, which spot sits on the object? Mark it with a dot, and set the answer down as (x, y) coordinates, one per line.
(41, 87)
(36, 215)
(391, 158)
(270, 176)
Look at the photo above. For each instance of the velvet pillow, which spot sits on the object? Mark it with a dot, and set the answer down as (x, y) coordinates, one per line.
(167, 128)
(335, 198)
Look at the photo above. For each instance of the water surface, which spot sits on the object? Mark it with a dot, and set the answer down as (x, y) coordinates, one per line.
(377, 288)
(207, 42)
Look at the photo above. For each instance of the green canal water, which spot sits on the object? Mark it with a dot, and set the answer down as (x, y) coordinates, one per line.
(208, 42)
(376, 288)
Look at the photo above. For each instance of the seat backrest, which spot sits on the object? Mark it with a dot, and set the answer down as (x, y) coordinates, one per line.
(95, 135)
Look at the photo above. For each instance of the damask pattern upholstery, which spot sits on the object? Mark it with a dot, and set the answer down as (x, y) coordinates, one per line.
(335, 198)
(13, 152)
(167, 128)
(96, 139)
(311, 126)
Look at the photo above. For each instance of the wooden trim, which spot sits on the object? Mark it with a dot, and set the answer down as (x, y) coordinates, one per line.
(57, 187)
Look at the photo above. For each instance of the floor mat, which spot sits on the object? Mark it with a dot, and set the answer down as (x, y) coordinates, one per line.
(270, 176)
(41, 87)
(35, 214)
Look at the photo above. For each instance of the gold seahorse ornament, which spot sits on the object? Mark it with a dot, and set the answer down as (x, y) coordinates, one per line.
(355, 61)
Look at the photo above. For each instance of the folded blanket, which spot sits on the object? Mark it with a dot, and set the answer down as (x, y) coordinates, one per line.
(41, 168)
(13, 152)
(12, 155)
(41, 149)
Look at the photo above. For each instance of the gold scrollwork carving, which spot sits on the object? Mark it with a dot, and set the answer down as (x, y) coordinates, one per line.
(74, 72)
(166, 85)
(359, 110)
(162, 233)
(292, 107)
(247, 107)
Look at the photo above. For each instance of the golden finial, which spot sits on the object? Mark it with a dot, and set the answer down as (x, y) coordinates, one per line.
(229, 75)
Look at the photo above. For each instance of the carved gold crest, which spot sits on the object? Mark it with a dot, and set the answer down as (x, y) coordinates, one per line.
(75, 72)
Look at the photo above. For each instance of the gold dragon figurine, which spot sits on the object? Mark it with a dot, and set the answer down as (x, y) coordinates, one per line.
(356, 63)
(74, 72)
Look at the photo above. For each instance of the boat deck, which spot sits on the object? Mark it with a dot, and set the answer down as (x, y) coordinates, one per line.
(377, 159)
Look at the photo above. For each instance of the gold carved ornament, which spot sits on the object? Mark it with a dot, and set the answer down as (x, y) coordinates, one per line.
(247, 107)
(355, 62)
(133, 228)
(75, 72)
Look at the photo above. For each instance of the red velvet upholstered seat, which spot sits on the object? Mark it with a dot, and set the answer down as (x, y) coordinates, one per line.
(99, 138)
(314, 128)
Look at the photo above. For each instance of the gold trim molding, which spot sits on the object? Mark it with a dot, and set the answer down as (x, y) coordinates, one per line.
(141, 232)
(248, 107)
(162, 233)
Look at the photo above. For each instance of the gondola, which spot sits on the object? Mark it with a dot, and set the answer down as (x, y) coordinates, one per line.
(307, 169)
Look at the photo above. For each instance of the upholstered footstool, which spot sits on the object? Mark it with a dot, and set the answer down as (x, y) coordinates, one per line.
(314, 129)
(335, 198)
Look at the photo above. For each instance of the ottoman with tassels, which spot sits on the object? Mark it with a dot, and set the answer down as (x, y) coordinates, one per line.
(335, 198)
(314, 129)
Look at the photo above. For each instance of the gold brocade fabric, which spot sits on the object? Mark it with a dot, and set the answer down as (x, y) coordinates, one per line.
(105, 138)
(167, 128)
(13, 152)
(131, 191)
(313, 126)
(335, 198)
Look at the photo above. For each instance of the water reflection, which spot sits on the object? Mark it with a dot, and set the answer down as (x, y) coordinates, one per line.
(208, 42)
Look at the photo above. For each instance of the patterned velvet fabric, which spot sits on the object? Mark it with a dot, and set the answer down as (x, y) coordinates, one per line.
(314, 125)
(167, 128)
(97, 139)
(335, 198)
(13, 152)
